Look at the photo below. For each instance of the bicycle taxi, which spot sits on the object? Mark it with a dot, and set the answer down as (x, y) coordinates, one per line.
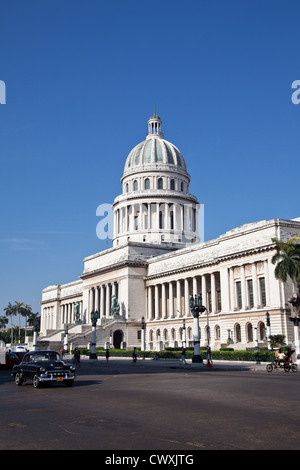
(283, 359)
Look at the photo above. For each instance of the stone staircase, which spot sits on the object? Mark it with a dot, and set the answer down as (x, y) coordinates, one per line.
(80, 335)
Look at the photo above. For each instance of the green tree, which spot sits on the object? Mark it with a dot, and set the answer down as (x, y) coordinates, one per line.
(26, 312)
(277, 340)
(287, 260)
(19, 306)
(10, 311)
(3, 322)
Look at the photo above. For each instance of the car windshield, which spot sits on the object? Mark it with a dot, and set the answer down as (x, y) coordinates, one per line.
(46, 356)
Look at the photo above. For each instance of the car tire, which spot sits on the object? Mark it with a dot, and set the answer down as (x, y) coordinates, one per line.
(18, 379)
(35, 381)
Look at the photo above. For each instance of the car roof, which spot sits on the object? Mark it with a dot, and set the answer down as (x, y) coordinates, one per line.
(43, 351)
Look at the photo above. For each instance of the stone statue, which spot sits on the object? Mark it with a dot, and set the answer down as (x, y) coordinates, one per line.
(115, 307)
(76, 312)
(295, 301)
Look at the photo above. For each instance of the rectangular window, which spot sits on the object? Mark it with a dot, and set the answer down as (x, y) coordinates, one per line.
(262, 291)
(239, 294)
(250, 293)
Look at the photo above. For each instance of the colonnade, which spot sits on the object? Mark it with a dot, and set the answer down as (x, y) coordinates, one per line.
(235, 288)
(48, 318)
(249, 288)
(168, 300)
(67, 312)
(159, 215)
(99, 299)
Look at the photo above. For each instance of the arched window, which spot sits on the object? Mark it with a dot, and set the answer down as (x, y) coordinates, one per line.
(217, 332)
(160, 183)
(135, 185)
(172, 185)
(147, 183)
(126, 188)
(181, 186)
(237, 333)
(261, 331)
(249, 331)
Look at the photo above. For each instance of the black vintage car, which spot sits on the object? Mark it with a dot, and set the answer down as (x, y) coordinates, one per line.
(43, 367)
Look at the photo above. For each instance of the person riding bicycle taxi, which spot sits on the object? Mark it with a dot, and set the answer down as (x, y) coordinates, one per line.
(289, 354)
(279, 357)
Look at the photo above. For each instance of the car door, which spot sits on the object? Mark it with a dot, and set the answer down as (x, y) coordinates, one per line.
(27, 366)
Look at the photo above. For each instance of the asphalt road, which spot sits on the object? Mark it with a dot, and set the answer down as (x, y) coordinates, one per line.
(153, 406)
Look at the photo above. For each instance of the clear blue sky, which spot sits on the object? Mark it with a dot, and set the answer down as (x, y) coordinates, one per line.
(82, 78)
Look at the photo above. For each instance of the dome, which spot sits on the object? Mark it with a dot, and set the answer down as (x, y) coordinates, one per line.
(154, 152)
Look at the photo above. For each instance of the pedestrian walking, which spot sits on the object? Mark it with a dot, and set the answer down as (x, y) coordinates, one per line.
(107, 354)
(134, 355)
(76, 357)
(183, 355)
(62, 352)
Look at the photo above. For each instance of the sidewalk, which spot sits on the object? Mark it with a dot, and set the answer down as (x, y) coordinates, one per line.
(176, 363)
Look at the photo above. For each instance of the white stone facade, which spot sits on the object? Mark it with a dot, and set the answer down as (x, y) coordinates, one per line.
(157, 263)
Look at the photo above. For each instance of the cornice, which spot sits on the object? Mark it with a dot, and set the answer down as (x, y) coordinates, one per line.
(120, 264)
(214, 262)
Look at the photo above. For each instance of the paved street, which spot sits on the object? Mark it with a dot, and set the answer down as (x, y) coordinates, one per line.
(154, 405)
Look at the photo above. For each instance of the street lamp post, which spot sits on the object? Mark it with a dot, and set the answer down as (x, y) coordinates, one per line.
(94, 318)
(184, 334)
(35, 333)
(143, 345)
(66, 339)
(268, 331)
(196, 308)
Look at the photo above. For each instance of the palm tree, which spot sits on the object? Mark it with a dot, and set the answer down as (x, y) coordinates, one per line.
(3, 322)
(287, 260)
(10, 311)
(18, 306)
(288, 265)
(26, 312)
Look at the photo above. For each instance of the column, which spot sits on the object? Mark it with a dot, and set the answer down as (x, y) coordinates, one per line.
(178, 303)
(156, 303)
(243, 287)
(163, 301)
(150, 303)
(167, 218)
(171, 300)
(267, 281)
(107, 307)
(102, 304)
(186, 297)
(204, 290)
(213, 292)
(97, 299)
(195, 287)
(232, 289)
(66, 314)
(255, 289)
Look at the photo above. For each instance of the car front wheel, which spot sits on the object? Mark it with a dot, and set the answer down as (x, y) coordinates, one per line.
(18, 379)
(35, 381)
